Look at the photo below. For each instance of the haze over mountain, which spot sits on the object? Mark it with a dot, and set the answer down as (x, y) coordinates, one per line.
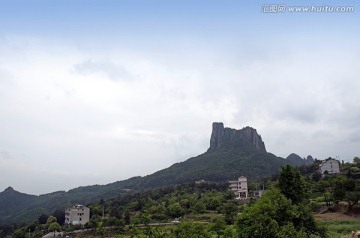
(232, 153)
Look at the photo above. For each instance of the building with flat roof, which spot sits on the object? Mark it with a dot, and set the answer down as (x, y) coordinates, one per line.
(239, 187)
(77, 215)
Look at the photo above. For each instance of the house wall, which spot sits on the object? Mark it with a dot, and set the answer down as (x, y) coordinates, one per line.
(331, 165)
(239, 187)
(78, 214)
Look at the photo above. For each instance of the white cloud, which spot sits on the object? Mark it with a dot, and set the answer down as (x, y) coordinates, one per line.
(112, 71)
(60, 110)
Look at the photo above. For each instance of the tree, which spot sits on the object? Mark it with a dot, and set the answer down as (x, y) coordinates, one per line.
(120, 226)
(100, 229)
(151, 232)
(199, 207)
(43, 218)
(112, 221)
(230, 232)
(175, 210)
(273, 215)
(341, 185)
(352, 197)
(96, 209)
(218, 226)
(191, 229)
(316, 176)
(292, 184)
(230, 212)
(51, 219)
(357, 160)
(6, 230)
(60, 216)
(19, 233)
(145, 217)
(127, 217)
(54, 227)
(93, 222)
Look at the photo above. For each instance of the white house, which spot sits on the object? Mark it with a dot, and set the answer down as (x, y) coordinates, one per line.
(331, 166)
(77, 214)
(239, 187)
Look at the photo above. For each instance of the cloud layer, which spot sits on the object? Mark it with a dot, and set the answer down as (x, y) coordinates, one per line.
(92, 97)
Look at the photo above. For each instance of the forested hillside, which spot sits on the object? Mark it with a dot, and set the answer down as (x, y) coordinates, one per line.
(209, 209)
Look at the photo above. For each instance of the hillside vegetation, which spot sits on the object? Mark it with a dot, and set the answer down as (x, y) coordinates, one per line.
(209, 209)
(204, 210)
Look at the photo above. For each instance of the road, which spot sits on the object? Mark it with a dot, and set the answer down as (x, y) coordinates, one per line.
(51, 234)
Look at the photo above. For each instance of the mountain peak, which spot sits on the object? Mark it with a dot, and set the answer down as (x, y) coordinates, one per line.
(223, 136)
(296, 160)
(9, 189)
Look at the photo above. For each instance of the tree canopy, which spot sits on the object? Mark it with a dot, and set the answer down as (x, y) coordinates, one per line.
(281, 212)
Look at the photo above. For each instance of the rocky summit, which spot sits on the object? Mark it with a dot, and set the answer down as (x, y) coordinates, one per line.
(245, 137)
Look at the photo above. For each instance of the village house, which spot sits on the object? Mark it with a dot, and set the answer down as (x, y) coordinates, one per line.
(330, 166)
(239, 187)
(77, 215)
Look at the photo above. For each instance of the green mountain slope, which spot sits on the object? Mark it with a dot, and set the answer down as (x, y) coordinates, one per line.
(12, 201)
(232, 153)
(217, 166)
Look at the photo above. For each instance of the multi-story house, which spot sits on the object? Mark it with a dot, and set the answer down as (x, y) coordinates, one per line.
(239, 187)
(77, 214)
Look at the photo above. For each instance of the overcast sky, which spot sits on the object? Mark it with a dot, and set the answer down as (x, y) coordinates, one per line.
(93, 92)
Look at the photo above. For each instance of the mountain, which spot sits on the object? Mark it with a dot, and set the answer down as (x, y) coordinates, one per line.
(12, 201)
(232, 153)
(227, 137)
(309, 160)
(296, 160)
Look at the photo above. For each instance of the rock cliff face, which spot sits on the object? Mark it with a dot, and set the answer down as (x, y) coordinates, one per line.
(217, 135)
(246, 137)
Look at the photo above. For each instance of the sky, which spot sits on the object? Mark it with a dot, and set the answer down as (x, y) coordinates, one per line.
(97, 91)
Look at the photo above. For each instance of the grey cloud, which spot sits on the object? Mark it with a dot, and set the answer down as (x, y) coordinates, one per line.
(304, 114)
(321, 134)
(112, 71)
(355, 136)
(5, 155)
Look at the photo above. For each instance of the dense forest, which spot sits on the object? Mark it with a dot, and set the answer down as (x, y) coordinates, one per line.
(209, 209)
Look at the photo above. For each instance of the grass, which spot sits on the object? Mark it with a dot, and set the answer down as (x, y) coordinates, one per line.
(338, 228)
